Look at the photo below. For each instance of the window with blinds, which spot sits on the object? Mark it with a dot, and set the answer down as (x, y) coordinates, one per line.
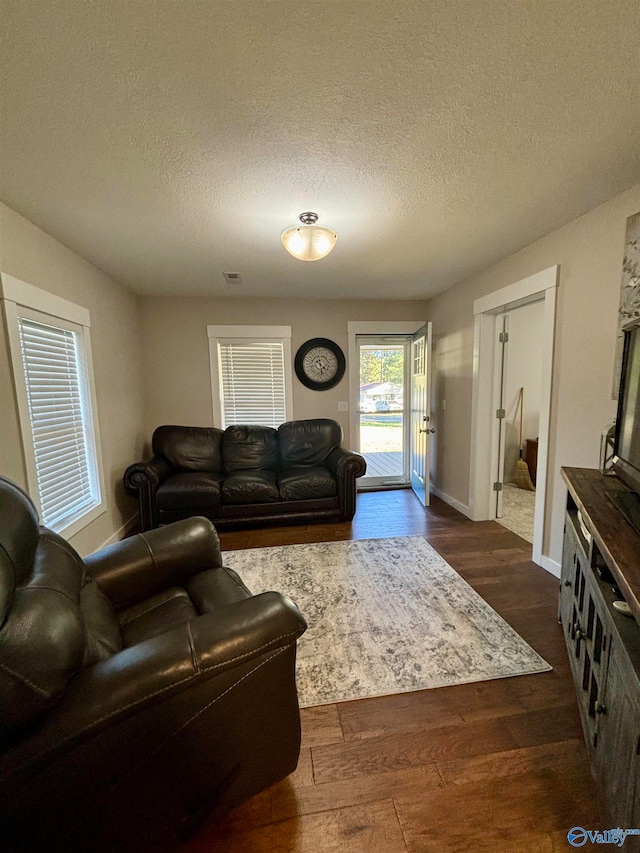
(58, 400)
(252, 382)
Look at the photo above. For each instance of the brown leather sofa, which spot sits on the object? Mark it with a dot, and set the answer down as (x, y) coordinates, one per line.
(247, 474)
(140, 689)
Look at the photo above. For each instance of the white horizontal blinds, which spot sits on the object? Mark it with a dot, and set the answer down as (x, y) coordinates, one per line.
(59, 413)
(252, 385)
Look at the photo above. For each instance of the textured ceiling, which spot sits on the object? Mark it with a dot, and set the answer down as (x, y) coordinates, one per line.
(168, 141)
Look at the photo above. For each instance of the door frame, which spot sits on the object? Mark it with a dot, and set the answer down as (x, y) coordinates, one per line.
(498, 439)
(368, 327)
(541, 285)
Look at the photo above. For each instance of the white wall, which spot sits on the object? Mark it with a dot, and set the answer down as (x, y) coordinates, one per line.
(523, 369)
(29, 254)
(589, 252)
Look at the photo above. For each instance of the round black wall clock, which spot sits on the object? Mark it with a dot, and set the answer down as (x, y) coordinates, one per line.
(320, 364)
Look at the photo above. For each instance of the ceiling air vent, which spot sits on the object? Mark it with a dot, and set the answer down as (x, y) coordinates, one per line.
(232, 277)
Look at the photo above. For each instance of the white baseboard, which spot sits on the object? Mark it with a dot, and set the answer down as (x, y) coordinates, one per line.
(120, 532)
(456, 504)
(550, 565)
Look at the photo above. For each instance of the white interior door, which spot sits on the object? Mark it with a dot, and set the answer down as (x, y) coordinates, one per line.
(421, 426)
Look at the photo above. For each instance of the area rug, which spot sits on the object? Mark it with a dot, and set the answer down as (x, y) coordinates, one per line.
(518, 511)
(385, 616)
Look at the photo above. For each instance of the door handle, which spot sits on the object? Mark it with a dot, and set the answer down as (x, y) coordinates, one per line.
(433, 429)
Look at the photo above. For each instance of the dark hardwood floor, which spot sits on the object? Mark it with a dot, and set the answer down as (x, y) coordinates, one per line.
(489, 767)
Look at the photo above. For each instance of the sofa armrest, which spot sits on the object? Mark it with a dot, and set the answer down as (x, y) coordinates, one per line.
(346, 466)
(343, 462)
(136, 568)
(141, 480)
(154, 470)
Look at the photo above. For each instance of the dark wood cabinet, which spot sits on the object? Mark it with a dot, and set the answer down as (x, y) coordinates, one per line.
(531, 458)
(600, 565)
(615, 751)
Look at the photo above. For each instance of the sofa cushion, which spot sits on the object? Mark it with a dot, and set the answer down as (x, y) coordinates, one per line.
(190, 448)
(299, 484)
(155, 615)
(189, 491)
(250, 487)
(249, 448)
(307, 442)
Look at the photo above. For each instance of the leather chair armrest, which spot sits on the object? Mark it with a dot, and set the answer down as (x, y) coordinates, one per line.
(141, 480)
(136, 568)
(245, 631)
(232, 643)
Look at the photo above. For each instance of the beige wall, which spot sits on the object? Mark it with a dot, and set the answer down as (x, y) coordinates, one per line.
(589, 252)
(176, 350)
(174, 356)
(29, 254)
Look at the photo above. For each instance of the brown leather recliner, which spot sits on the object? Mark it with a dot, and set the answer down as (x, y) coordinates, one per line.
(140, 689)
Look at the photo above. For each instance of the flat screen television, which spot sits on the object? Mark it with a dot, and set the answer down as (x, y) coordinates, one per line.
(626, 460)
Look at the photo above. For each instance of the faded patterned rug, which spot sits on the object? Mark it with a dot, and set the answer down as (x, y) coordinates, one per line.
(385, 616)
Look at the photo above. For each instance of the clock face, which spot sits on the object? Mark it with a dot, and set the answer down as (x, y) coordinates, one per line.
(320, 364)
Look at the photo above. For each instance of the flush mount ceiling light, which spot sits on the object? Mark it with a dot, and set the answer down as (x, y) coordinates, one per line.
(309, 242)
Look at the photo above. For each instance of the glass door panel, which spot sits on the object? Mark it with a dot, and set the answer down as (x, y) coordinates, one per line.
(382, 411)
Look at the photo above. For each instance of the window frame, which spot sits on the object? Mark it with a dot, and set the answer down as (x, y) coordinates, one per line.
(218, 334)
(21, 299)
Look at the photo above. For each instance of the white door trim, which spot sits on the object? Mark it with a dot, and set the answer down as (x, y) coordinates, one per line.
(523, 290)
(541, 285)
(498, 440)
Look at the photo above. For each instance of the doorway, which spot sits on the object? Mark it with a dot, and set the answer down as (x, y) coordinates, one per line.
(407, 408)
(485, 480)
(519, 368)
(383, 433)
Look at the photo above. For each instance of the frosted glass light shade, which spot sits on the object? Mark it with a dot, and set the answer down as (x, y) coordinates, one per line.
(309, 242)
